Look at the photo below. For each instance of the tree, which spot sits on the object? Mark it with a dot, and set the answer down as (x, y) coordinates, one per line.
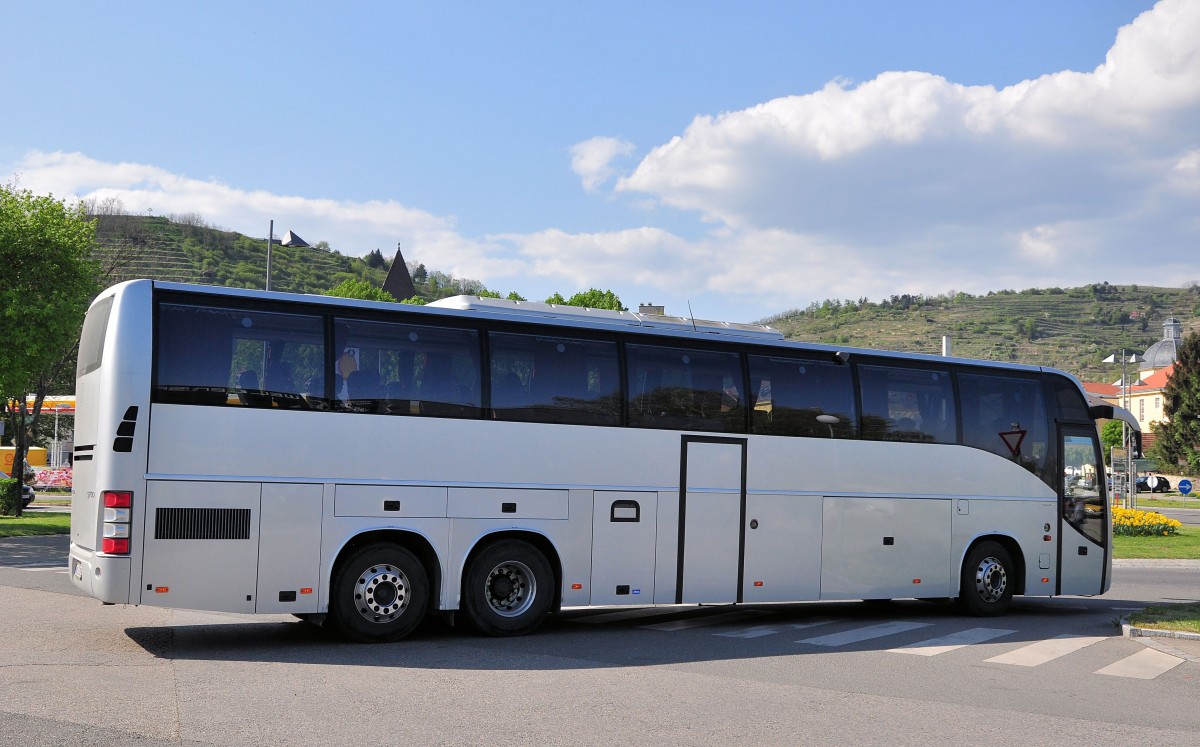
(361, 290)
(375, 259)
(1177, 439)
(591, 298)
(47, 280)
(1110, 438)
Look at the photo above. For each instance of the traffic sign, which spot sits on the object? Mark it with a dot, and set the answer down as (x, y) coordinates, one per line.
(1185, 486)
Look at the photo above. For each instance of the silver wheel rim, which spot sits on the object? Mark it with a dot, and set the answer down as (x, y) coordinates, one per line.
(990, 579)
(381, 593)
(510, 589)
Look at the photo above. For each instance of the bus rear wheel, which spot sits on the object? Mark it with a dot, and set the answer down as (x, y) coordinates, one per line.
(508, 589)
(380, 593)
(988, 580)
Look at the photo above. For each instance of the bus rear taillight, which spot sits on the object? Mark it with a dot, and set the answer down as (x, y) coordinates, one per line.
(118, 505)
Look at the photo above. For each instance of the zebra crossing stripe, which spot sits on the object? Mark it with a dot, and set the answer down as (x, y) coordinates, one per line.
(858, 635)
(962, 638)
(1144, 665)
(1047, 650)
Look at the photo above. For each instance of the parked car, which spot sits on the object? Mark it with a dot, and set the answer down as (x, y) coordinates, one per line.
(1153, 484)
(27, 494)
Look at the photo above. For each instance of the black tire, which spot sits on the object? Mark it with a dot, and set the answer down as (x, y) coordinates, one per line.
(987, 581)
(380, 593)
(508, 589)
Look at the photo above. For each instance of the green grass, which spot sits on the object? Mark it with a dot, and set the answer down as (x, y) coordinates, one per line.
(1182, 546)
(1185, 617)
(1176, 501)
(30, 524)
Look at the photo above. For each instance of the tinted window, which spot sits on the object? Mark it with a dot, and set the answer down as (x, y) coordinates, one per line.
(907, 404)
(1071, 404)
(213, 355)
(685, 389)
(1007, 416)
(405, 369)
(91, 343)
(794, 397)
(554, 379)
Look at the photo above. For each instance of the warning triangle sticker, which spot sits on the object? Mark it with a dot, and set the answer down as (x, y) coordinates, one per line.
(1013, 440)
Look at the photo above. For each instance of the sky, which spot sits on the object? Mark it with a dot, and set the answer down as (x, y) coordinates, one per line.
(737, 159)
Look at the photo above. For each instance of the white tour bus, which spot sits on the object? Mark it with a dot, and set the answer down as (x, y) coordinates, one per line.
(370, 463)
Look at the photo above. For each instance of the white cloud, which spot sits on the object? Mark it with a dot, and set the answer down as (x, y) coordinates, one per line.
(1043, 181)
(592, 159)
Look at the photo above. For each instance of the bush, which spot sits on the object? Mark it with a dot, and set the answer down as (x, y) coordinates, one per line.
(10, 497)
(1130, 522)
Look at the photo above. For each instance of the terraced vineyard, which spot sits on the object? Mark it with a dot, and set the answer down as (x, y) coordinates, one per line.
(1072, 329)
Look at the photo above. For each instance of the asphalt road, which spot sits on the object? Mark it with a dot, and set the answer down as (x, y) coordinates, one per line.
(1053, 671)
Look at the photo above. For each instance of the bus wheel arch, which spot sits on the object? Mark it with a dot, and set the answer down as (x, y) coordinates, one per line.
(511, 582)
(993, 570)
(382, 585)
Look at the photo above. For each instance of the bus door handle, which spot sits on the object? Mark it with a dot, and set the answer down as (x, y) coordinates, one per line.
(625, 510)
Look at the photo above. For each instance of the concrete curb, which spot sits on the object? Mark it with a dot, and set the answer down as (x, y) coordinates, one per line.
(1152, 638)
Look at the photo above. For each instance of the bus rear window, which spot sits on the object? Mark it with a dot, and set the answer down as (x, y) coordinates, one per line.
(91, 343)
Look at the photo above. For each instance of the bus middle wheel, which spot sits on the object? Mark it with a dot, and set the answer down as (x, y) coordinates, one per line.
(508, 589)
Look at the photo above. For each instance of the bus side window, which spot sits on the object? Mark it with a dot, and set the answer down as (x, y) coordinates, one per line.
(685, 389)
(907, 404)
(797, 397)
(1007, 416)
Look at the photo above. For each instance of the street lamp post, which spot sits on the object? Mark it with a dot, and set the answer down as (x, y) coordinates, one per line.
(1126, 432)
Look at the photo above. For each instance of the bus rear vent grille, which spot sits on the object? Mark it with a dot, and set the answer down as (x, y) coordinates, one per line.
(202, 523)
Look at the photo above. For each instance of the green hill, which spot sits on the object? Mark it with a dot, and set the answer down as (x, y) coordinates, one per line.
(164, 249)
(1072, 329)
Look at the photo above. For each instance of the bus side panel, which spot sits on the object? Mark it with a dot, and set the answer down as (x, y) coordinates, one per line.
(624, 525)
(289, 556)
(783, 548)
(885, 548)
(201, 545)
(563, 517)
(1020, 519)
(666, 548)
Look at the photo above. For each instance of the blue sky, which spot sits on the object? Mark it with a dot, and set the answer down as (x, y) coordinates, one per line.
(745, 158)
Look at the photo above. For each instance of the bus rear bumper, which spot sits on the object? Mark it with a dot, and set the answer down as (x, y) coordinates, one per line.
(101, 576)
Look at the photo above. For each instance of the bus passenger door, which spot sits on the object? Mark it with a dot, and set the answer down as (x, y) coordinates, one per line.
(1084, 535)
(711, 509)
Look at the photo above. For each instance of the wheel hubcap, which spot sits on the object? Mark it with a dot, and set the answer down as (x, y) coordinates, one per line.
(381, 593)
(990, 580)
(510, 589)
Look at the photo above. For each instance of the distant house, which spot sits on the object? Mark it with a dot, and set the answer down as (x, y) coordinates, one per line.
(1145, 399)
(1145, 393)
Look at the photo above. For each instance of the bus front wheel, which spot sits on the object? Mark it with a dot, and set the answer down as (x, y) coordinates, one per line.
(987, 580)
(507, 589)
(379, 594)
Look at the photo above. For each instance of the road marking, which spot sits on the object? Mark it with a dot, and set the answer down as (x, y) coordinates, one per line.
(1144, 665)
(1047, 650)
(755, 632)
(699, 622)
(961, 639)
(857, 635)
(633, 614)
